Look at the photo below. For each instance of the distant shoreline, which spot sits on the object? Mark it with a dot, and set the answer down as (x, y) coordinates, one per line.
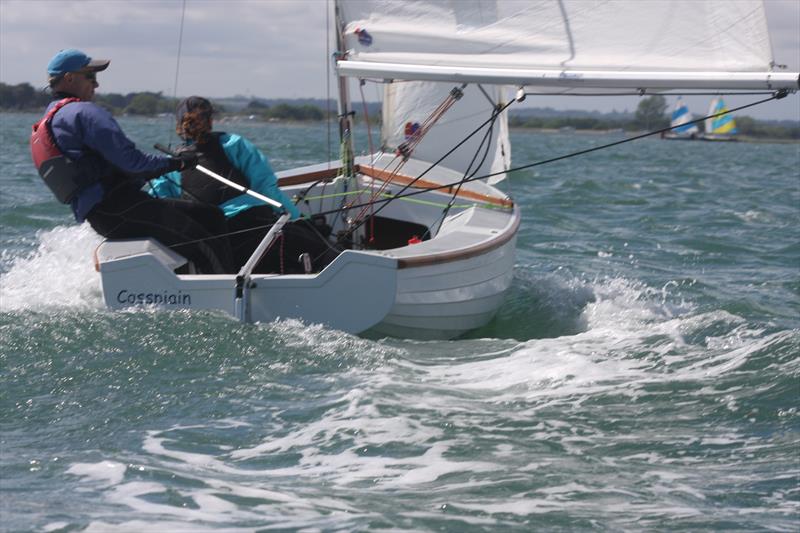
(241, 117)
(632, 133)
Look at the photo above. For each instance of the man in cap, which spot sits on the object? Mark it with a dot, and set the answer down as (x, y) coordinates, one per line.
(88, 162)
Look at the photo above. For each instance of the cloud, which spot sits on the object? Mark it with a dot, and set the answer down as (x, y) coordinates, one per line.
(226, 46)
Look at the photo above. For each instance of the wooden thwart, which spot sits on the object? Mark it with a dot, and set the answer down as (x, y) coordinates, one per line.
(325, 175)
(402, 179)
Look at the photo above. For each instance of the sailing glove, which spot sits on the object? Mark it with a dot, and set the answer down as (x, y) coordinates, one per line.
(183, 161)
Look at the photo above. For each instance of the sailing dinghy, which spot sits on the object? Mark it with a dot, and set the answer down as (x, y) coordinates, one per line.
(680, 123)
(431, 248)
(719, 128)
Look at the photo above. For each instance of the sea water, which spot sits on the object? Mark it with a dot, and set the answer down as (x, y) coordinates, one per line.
(642, 374)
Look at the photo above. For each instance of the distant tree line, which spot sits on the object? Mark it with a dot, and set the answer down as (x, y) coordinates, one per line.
(651, 114)
(283, 111)
(24, 97)
(753, 128)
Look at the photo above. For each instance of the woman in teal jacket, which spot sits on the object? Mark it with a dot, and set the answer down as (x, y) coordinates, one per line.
(237, 159)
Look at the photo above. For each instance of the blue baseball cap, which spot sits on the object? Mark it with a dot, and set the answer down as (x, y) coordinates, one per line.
(72, 60)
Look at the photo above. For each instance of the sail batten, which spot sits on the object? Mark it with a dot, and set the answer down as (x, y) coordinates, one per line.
(661, 44)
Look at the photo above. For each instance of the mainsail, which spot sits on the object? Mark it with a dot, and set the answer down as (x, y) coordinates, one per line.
(723, 125)
(574, 44)
(680, 119)
(421, 49)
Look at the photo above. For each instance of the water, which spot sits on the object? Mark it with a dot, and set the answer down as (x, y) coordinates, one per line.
(642, 375)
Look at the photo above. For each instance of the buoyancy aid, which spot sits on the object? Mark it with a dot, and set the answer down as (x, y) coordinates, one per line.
(198, 186)
(63, 176)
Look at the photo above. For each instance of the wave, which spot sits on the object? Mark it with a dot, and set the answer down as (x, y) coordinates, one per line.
(59, 273)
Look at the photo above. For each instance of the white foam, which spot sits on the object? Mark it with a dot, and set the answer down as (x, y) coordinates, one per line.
(59, 273)
(55, 526)
(547, 369)
(211, 509)
(106, 472)
(137, 526)
(625, 318)
(324, 341)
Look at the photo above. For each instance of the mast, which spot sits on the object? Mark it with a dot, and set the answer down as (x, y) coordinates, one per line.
(345, 114)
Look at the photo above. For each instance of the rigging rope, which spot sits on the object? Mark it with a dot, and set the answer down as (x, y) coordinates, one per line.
(469, 173)
(403, 153)
(350, 231)
(178, 64)
(775, 96)
(390, 198)
(178, 58)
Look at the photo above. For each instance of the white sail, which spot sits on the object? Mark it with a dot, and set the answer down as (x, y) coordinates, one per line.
(577, 44)
(407, 105)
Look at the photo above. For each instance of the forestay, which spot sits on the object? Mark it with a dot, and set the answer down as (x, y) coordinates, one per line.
(573, 44)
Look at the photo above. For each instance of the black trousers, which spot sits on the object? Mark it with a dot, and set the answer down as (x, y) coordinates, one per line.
(196, 231)
(301, 236)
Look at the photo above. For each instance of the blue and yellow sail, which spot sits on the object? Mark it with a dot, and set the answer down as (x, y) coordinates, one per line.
(722, 126)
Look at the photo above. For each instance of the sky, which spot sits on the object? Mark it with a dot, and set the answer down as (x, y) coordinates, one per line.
(263, 48)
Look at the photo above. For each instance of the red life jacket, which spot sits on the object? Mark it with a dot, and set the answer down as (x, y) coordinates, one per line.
(61, 174)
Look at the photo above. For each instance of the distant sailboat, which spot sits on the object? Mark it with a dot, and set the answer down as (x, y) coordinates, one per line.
(722, 128)
(681, 117)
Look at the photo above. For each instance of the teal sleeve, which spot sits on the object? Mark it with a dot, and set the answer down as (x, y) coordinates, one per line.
(166, 186)
(248, 159)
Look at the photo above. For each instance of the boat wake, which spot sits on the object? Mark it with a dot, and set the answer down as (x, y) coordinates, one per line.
(58, 274)
(351, 420)
(538, 307)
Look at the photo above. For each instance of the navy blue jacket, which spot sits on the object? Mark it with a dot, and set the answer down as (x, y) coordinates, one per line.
(84, 129)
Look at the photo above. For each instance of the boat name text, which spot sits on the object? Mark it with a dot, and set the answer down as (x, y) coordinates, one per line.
(153, 298)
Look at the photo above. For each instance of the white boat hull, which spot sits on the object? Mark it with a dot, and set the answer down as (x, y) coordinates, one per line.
(138, 277)
(447, 299)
